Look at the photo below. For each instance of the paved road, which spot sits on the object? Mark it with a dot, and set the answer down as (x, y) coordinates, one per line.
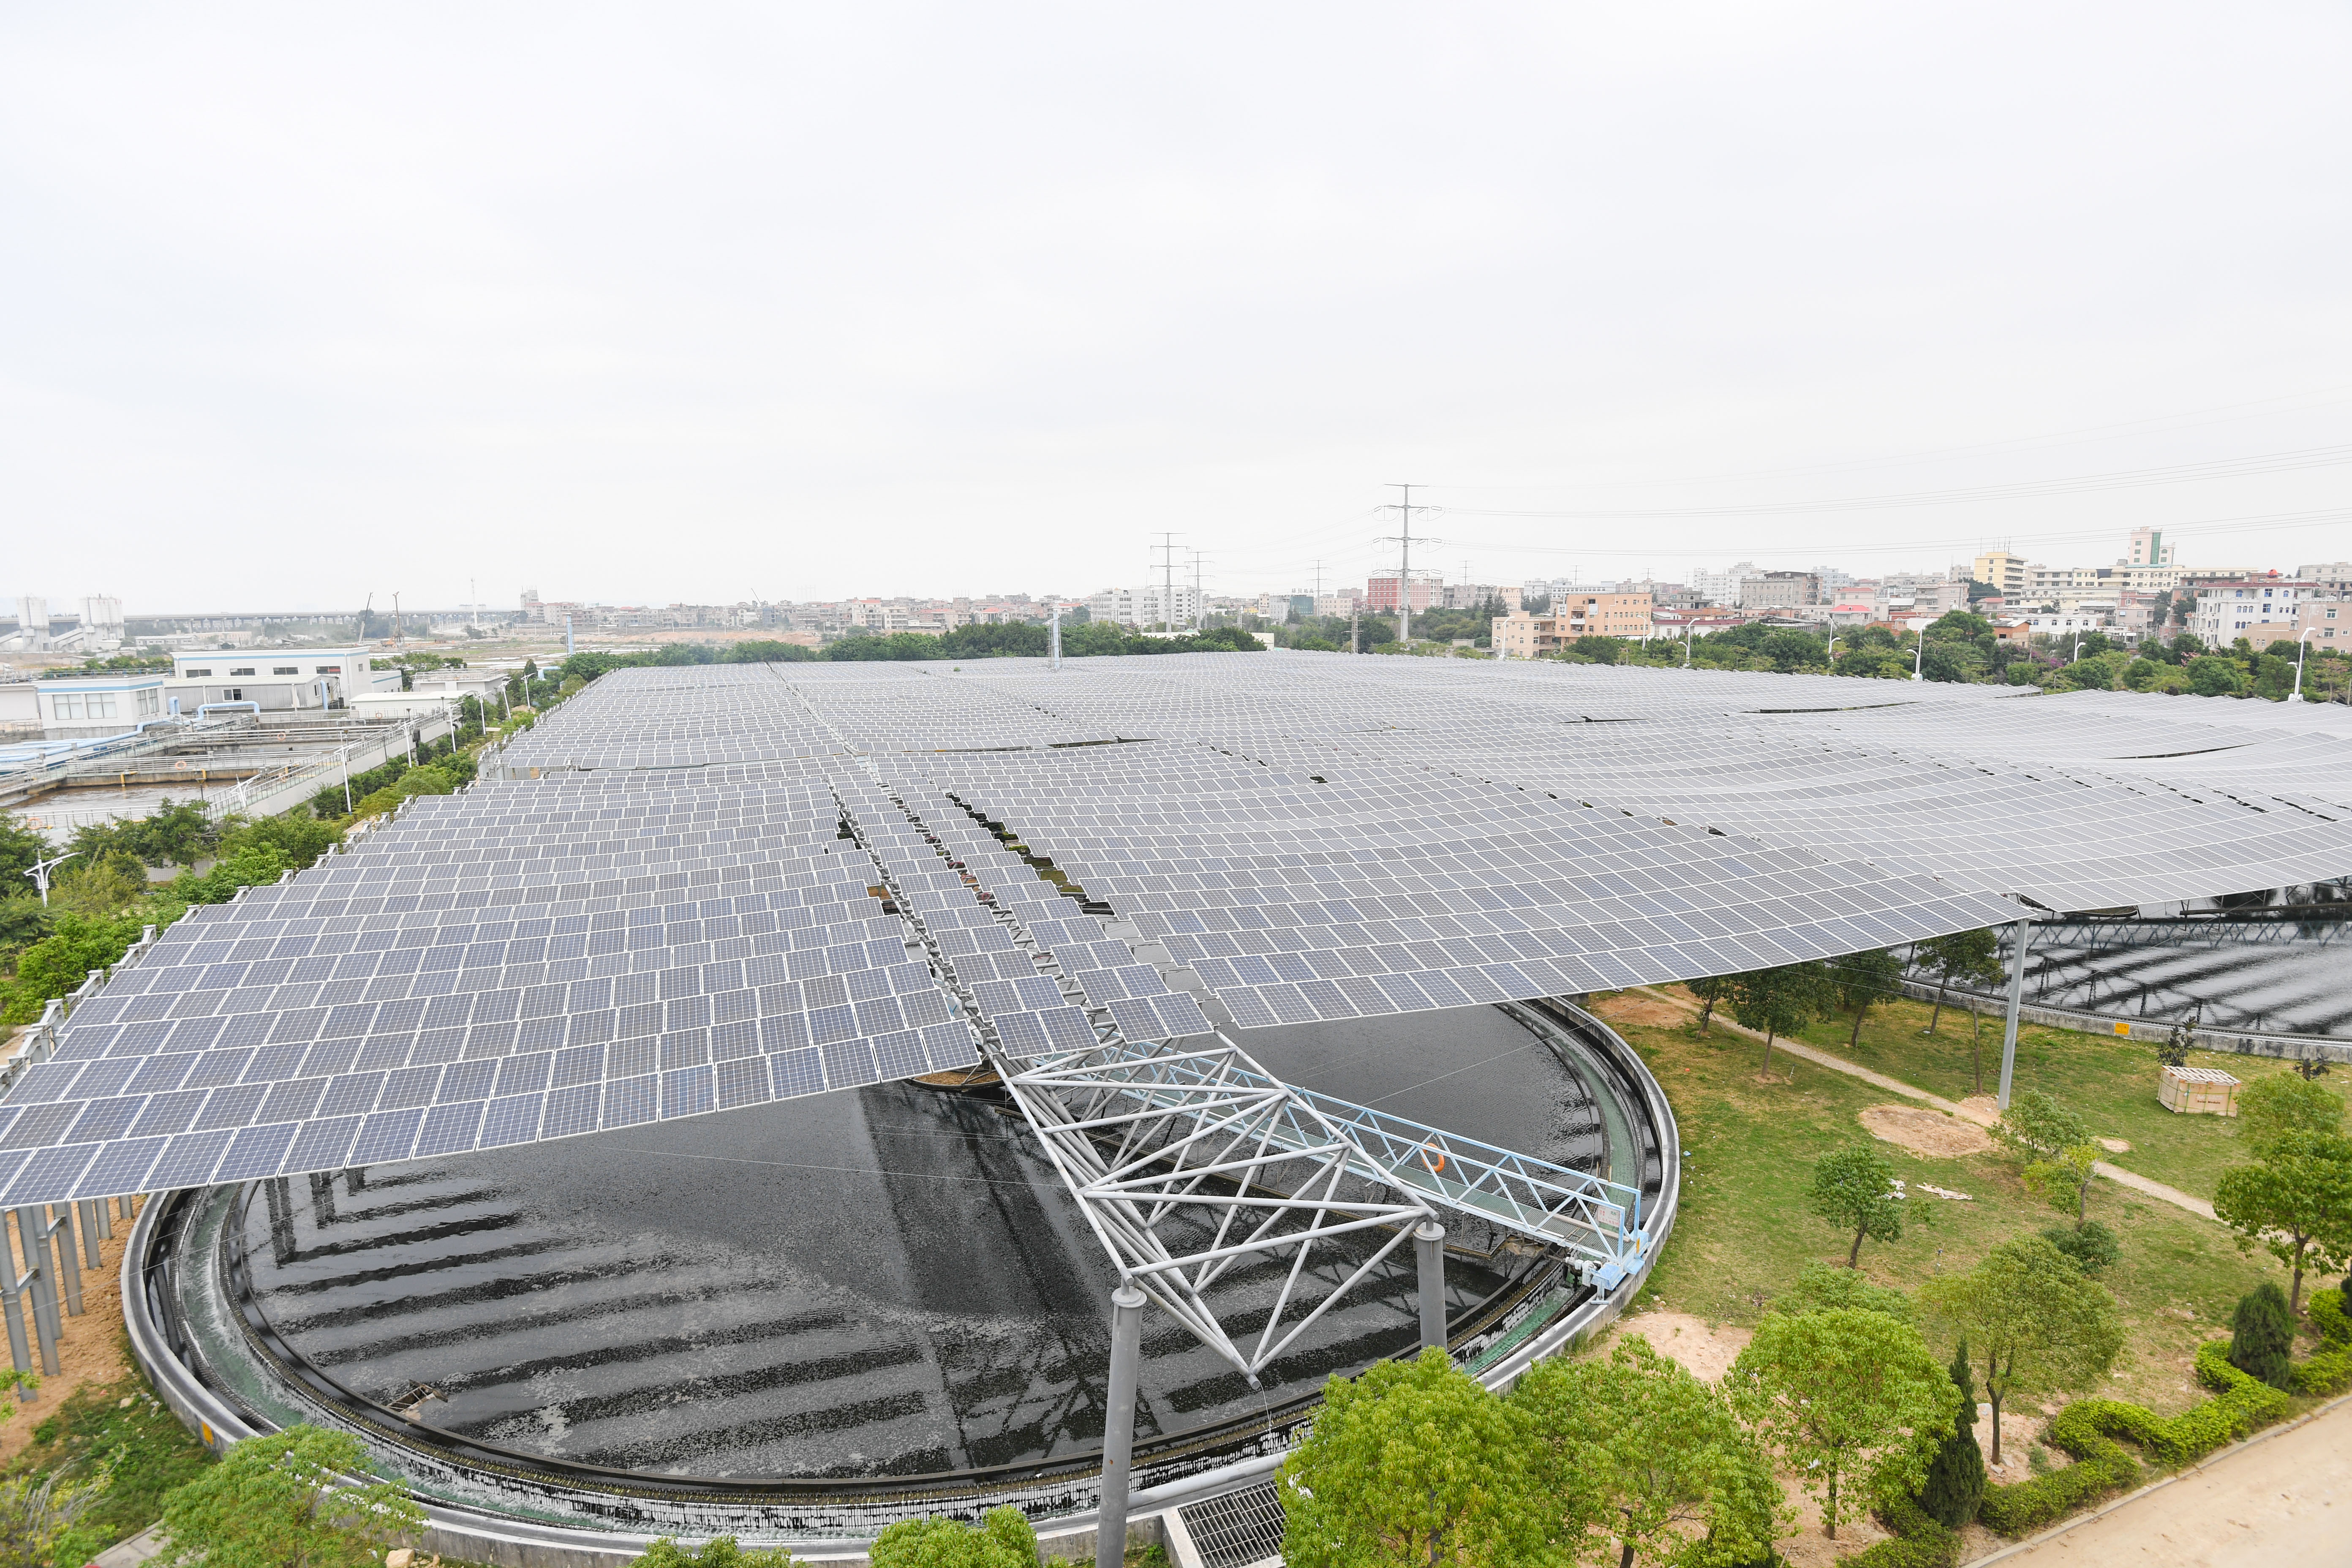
(2267, 1504)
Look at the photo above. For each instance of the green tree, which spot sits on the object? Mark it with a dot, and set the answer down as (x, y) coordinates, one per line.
(102, 888)
(1822, 1285)
(1845, 1396)
(292, 1499)
(2216, 675)
(1709, 991)
(1647, 1452)
(2261, 1335)
(1860, 979)
(1956, 1476)
(2038, 1323)
(2062, 1159)
(1780, 1000)
(1414, 1465)
(60, 962)
(2064, 1180)
(1002, 1539)
(1853, 1190)
(2294, 1202)
(722, 1552)
(2271, 1108)
(20, 847)
(1963, 956)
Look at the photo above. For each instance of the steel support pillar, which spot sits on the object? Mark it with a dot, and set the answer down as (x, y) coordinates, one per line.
(2016, 997)
(61, 1228)
(1118, 1426)
(1429, 1250)
(94, 1230)
(40, 1272)
(12, 1306)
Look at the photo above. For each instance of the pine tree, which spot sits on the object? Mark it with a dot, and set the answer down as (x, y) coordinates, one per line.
(2261, 1332)
(1956, 1477)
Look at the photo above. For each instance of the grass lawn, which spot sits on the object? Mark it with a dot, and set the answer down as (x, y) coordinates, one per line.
(1744, 1230)
(149, 1450)
(2111, 1082)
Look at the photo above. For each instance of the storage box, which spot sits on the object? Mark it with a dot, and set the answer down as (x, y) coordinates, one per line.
(2198, 1091)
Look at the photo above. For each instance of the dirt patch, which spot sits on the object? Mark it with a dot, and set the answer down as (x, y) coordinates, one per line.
(1706, 1352)
(1924, 1132)
(1809, 1548)
(2115, 1145)
(90, 1349)
(1629, 1007)
(2020, 1429)
(1983, 1108)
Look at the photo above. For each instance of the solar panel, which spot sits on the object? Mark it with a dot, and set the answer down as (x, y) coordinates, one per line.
(692, 890)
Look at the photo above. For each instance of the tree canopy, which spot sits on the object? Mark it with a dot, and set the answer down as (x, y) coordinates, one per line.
(2037, 1322)
(1415, 1465)
(2294, 1202)
(1637, 1450)
(1850, 1399)
(286, 1501)
(1853, 1190)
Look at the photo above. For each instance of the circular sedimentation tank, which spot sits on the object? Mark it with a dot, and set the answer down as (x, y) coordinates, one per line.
(809, 1317)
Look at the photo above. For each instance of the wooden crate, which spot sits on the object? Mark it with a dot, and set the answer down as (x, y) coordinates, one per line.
(2198, 1091)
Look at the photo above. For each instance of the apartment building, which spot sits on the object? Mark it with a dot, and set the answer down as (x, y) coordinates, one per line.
(1520, 635)
(2228, 611)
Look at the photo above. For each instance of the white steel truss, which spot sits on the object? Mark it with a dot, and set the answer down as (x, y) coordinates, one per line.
(1190, 1159)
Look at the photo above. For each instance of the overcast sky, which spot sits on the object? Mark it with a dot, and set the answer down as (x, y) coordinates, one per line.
(700, 302)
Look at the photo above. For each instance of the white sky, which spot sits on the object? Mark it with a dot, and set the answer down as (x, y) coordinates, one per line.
(702, 302)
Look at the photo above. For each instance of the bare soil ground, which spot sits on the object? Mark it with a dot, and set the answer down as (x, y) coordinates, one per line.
(1633, 1007)
(1925, 1131)
(90, 1350)
(1706, 1351)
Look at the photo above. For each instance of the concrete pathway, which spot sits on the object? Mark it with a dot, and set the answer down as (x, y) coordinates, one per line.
(1979, 1113)
(131, 1553)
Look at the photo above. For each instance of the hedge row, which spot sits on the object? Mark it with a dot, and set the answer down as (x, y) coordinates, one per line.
(2087, 1430)
(1919, 1542)
(2329, 1370)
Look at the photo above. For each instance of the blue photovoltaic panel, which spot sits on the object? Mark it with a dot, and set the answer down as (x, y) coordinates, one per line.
(691, 889)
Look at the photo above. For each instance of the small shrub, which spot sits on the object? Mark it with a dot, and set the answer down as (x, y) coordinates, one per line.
(722, 1552)
(2090, 1245)
(1002, 1539)
(2261, 1335)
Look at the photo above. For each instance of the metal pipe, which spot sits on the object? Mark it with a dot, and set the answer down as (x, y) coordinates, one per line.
(1118, 1426)
(1429, 1248)
(94, 1229)
(2016, 995)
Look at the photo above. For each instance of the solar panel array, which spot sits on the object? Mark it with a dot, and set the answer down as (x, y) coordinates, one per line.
(696, 889)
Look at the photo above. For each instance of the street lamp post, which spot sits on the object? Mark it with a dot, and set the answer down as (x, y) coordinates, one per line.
(1919, 658)
(40, 873)
(1686, 641)
(2301, 649)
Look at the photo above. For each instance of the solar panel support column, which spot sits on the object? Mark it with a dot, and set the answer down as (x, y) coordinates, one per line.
(42, 1288)
(1118, 1426)
(12, 1306)
(1429, 1248)
(94, 1229)
(59, 1232)
(2016, 995)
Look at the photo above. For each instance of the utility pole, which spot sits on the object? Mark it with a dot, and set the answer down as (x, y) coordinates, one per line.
(1167, 582)
(1199, 613)
(1403, 538)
